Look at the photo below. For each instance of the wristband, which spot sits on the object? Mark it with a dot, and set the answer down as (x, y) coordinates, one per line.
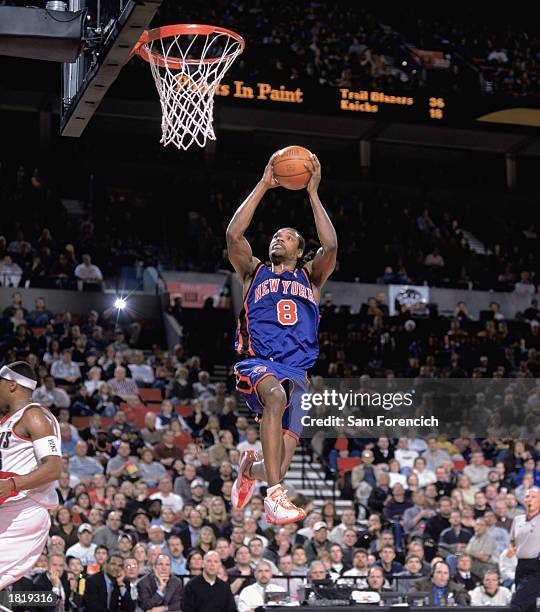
(43, 447)
(13, 485)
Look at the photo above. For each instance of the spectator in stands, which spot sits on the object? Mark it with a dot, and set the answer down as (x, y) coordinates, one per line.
(318, 542)
(149, 469)
(109, 534)
(397, 503)
(454, 539)
(166, 495)
(189, 534)
(65, 371)
(434, 456)
(499, 534)
(220, 452)
(206, 588)
(412, 571)
(441, 588)
(524, 286)
(252, 442)
(404, 455)
(388, 563)
(51, 396)
(54, 579)
(254, 595)
(482, 548)
(122, 466)
(348, 521)
(241, 574)
(376, 581)
(107, 590)
(124, 388)
(179, 388)
(366, 471)
(166, 451)
(464, 574)
(88, 274)
(166, 415)
(10, 272)
(85, 549)
(141, 372)
(175, 551)
(491, 593)
(81, 465)
(476, 471)
(160, 588)
(150, 433)
(360, 567)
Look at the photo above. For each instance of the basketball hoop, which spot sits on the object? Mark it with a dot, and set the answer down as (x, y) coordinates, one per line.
(188, 62)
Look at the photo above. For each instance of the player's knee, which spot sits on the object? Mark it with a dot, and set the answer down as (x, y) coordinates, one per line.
(275, 400)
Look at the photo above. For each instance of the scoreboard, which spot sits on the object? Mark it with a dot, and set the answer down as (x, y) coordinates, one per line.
(419, 105)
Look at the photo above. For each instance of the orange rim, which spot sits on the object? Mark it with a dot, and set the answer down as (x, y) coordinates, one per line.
(141, 48)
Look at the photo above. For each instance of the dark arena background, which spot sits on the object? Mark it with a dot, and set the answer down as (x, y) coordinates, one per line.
(116, 287)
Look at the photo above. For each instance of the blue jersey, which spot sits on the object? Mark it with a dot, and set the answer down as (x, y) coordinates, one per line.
(279, 319)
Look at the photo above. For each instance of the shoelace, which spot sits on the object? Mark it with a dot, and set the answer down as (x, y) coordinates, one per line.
(280, 497)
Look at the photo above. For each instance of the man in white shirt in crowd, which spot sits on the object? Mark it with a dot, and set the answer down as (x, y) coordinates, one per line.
(359, 569)
(82, 466)
(10, 273)
(166, 495)
(87, 272)
(50, 395)
(141, 372)
(477, 471)
(255, 595)
(65, 371)
(251, 442)
(490, 593)
(84, 549)
(404, 455)
(348, 521)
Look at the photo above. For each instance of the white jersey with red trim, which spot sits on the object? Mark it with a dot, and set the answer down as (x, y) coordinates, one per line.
(17, 458)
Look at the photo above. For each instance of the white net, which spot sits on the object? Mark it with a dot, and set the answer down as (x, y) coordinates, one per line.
(187, 69)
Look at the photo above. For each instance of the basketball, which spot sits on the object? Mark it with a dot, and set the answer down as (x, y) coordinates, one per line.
(289, 167)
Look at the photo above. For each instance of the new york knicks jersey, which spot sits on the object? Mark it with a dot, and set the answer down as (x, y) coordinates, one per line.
(279, 319)
(17, 458)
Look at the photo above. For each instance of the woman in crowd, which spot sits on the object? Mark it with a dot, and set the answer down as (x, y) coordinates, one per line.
(64, 527)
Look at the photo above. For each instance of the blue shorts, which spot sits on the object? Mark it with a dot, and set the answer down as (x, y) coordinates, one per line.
(249, 374)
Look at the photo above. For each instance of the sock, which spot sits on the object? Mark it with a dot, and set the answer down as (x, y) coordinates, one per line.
(270, 490)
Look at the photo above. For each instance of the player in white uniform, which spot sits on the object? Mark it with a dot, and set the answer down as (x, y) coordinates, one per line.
(30, 464)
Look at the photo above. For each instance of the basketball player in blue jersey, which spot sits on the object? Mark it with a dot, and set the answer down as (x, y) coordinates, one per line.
(277, 339)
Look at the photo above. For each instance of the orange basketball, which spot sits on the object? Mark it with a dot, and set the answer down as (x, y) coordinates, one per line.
(289, 168)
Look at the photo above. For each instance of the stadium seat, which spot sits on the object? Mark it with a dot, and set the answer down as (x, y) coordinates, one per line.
(81, 422)
(150, 395)
(459, 464)
(38, 331)
(346, 464)
(184, 411)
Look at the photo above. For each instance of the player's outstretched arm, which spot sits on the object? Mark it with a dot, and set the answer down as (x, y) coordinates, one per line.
(240, 253)
(40, 430)
(324, 261)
